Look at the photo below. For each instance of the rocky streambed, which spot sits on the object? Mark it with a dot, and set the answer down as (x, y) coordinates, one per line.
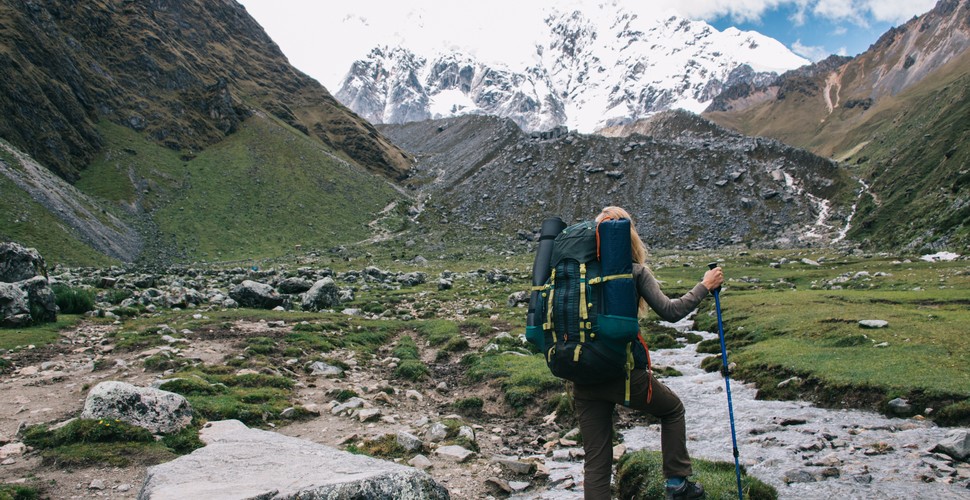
(804, 451)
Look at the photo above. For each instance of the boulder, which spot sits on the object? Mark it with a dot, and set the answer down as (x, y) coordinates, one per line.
(324, 294)
(956, 444)
(161, 412)
(256, 295)
(238, 462)
(14, 309)
(873, 323)
(294, 285)
(40, 299)
(18, 263)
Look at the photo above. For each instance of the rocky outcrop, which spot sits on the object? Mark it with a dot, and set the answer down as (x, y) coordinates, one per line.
(238, 462)
(18, 263)
(161, 412)
(25, 294)
(323, 295)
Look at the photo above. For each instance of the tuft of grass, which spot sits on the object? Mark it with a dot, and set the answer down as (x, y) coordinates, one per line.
(406, 348)
(37, 335)
(87, 442)
(18, 492)
(524, 379)
(639, 476)
(73, 300)
(469, 406)
(411, 369)
(217, 394)
(385, 446)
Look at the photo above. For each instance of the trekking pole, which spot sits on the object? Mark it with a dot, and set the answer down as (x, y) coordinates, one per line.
(727, 383)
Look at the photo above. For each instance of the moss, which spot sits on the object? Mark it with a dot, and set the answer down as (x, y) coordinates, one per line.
(469, 406)
(18, 492)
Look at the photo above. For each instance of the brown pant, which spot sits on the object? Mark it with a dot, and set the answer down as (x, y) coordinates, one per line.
(594, 409)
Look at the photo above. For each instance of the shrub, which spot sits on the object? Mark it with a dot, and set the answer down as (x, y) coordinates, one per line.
(73, 300)
(411, 369)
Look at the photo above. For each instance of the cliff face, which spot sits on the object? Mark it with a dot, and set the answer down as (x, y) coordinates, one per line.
(183, 74)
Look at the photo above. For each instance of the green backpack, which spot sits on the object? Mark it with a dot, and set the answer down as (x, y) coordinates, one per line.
(586, 317)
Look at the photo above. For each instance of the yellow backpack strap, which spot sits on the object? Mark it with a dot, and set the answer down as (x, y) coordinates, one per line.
(548, 325)
(604, 279)
(629, 373)
(583, 308)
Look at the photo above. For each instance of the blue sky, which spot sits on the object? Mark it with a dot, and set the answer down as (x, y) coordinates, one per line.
(816, 36)
(322, 38)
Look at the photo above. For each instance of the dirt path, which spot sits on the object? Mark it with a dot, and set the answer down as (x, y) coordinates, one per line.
(49, 384)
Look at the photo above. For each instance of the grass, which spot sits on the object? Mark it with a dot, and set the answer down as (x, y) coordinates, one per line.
(37, 335)
(18, 492)
(84, 442)
(525, 380)
(216, 393)
(639, 476)
(259, 192)
(810, 328)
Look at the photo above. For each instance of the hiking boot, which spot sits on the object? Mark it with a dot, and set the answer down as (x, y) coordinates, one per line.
(687, 490)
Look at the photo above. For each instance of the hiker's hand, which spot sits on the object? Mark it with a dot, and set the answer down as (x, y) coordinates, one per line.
(713, 279)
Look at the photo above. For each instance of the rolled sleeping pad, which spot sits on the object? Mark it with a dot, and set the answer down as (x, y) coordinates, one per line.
(620, 299)
(551, 228)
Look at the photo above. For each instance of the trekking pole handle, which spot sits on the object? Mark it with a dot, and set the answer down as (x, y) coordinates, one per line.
(711, 266)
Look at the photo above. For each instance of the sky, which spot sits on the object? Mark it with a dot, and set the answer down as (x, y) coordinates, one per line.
(323, 38)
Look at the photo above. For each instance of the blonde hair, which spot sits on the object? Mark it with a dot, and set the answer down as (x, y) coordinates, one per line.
(637, 248)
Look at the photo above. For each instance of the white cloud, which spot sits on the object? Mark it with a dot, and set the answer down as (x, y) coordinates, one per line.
(810, 52)
(898, 11)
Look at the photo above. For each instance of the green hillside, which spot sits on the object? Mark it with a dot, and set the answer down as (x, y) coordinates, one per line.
(914, 154)
(258, 193)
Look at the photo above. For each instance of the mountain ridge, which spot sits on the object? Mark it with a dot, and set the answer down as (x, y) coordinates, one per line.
(589, 70)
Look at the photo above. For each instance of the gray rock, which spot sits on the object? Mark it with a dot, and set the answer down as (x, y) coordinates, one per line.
(873, 323)
(956, 444)
(520, 297)
(409, 441)
(411, 279)
(256, 295)
(323, 369)
(810, 262)
(238, 462)
(798, 476)
(14, 311)
(420, 462)
(40, 299)
(323, 295)
(900, 406)
(454, 453)
(294, 285)
(444, 284)
(159, 411)
(466, 432)
(514, 465)
(18, 263)
(437, 432)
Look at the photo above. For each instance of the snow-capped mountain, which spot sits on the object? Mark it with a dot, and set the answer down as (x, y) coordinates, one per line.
(586, 70)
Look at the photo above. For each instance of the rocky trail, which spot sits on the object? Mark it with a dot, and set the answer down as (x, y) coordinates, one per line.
(804, 451)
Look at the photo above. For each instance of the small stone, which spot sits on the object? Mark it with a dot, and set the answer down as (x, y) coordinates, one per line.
(513, 464)
(454, 453)
(420, 462)
(900, 406)
(97, 484)
(9, 461)
(123, 487)
(437, 432)
(368, 414)
(518, 485)
(618, 451)
(413, 394)
(798, 476)
(409, 441)
(498, 485)
(12, 450)
(873, 323)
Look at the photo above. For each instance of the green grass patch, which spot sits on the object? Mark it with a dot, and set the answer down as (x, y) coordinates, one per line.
(469, 406)
(18, 492)
(73, 300)
(385, 446)
(37, 335)
(87, 442)
(215, 393)
(524, 379)
(639, 476)
(412, 369)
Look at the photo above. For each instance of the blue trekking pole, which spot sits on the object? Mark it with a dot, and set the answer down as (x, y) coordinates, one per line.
(727, 383)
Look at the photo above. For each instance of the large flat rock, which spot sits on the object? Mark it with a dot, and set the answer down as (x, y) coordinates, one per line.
(242, 463)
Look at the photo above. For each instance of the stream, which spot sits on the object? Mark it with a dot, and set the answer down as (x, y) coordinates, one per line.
(805, 452)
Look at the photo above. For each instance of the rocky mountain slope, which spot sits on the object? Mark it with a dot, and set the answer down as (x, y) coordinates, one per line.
(897, 112)
(588, 69)
(688, 183)
(185, 132)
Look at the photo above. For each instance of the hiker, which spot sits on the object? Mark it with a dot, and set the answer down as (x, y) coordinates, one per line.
(595, 403)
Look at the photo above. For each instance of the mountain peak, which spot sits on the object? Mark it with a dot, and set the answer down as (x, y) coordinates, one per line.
(589, 69)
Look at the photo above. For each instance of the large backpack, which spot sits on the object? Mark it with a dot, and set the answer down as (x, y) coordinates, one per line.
(586, 315)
